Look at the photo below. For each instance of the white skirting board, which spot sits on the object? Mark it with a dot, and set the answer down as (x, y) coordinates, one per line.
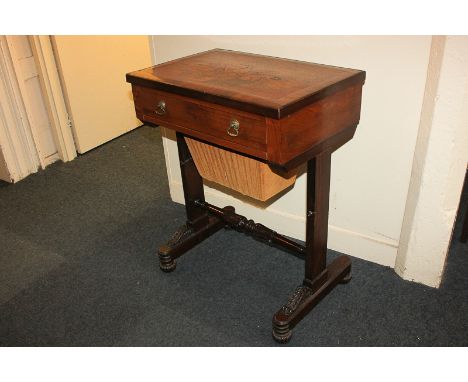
(352, 243)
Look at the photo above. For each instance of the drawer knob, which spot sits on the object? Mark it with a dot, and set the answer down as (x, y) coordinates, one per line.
(161, 108)
(233, 129)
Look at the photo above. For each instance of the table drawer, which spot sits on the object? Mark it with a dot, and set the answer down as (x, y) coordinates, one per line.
(204, 119)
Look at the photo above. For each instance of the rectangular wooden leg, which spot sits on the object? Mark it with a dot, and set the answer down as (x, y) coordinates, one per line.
(319, 279)
(192, 183)
(199, 224)
(318, 190)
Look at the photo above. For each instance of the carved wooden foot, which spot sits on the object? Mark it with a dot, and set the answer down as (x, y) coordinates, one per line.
(307, 296)
(166, 262)
(185, 238)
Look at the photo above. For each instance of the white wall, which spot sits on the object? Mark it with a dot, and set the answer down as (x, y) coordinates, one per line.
(440, 164)
(370, 174)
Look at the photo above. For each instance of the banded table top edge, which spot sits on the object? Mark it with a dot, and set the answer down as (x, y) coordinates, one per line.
(243, 91)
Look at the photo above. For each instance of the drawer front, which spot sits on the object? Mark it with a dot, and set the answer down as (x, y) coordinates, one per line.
(213, 123)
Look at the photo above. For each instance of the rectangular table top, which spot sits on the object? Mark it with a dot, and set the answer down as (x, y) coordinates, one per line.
(269, 86)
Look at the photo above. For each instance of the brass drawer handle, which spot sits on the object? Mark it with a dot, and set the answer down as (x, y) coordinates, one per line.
(161, 108)
(233, 129)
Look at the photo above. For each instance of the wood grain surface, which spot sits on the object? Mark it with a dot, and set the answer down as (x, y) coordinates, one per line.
(288, 111)
(269, 86)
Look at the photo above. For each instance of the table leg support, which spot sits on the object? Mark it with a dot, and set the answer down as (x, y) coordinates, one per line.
(306, 296)
(185, 238)
(199, 224)
(319, 279)
(204, 219)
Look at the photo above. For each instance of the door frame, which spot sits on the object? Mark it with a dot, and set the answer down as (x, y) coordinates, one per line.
(17, 140)
(59, 116)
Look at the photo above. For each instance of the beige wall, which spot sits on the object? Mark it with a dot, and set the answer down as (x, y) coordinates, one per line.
(4, 173)
(371, 174)
(92, 70)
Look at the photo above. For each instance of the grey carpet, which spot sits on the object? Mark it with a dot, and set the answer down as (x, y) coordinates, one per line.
(78, 268)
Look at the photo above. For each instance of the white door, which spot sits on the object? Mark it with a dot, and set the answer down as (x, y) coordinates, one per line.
(92, 70)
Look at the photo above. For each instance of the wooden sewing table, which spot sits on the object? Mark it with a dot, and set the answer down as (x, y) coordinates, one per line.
(280, 112)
